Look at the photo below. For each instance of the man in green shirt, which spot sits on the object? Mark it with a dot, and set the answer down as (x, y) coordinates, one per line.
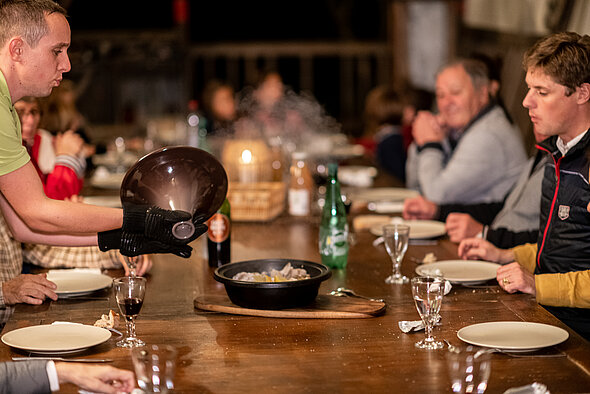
(34, 39)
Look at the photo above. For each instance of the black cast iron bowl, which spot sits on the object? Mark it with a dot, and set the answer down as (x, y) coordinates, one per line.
(268, 295)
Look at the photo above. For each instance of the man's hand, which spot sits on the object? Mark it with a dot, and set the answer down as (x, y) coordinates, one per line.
(135, 245)
(426, 128)
(480, 249)
(512, 278)
(461, 225)
(96, 378)
(419, 208)
(68, 143)
(29, 289)
(155, 223)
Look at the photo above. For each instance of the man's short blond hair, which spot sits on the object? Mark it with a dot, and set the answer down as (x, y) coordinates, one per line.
(565, 57)
(26, 18)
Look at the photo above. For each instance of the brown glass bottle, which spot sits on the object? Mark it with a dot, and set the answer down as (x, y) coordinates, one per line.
(219, 236)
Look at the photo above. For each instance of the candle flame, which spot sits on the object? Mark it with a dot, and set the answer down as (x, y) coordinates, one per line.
(246, 156)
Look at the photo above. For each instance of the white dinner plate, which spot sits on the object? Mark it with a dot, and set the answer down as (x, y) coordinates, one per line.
(468, 272)
(107, 181)
(419, 229)
(73, 282)
(56, 338)
(513, 335)
(359, 176)
(383, 194)
(104, 201)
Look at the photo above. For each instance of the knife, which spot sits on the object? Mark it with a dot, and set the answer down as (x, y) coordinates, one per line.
(73, 360)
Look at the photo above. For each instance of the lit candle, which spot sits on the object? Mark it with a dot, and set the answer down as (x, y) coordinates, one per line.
(247, 169)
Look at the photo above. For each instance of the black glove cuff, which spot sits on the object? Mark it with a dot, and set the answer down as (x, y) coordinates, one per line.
(108, 240)
(134, 218)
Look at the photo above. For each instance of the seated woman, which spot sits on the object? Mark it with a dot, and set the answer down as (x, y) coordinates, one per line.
(60, 164)
(219, 105)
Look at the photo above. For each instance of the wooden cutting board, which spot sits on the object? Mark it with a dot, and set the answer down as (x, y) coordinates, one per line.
(324, 307)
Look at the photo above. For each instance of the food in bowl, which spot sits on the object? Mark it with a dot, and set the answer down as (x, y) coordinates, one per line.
(287, 273)
(272, 295)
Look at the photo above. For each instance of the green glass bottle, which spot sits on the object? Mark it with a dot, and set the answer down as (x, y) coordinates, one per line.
(333, 241)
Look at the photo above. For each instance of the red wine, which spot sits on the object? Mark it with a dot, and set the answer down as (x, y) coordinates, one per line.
(131, 306)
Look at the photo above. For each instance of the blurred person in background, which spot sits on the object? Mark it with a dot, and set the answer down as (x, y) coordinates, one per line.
(60, 113)
(219, 106)
(382, 137)
(513, 221)
(388, 125)
(59, 160)
(470, 152)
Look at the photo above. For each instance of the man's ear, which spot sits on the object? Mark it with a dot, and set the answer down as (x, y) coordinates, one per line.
(584, 93)
(16, 48)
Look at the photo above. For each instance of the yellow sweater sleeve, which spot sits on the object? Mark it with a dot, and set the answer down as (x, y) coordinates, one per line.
(526, 256)
(571, 289)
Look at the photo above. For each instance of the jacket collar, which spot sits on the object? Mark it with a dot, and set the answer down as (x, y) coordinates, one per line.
(550, 144)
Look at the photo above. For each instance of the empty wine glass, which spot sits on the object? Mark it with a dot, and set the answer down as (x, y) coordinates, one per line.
(129, 292)
(469, 369)
(395, 238)
(154, 367)
(428, 294)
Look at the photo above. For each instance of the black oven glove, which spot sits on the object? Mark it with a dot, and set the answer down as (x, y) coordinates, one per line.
(130, 244)
(156, 223)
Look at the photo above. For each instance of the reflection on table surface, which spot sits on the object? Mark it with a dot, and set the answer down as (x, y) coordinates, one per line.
(230, 353)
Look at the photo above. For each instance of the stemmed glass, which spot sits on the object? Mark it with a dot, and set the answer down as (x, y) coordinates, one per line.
(395, 238)
(428, 294)
(469, 369)
(129, 292)
(132, 262)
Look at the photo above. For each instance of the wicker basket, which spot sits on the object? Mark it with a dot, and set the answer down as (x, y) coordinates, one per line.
(256, 202)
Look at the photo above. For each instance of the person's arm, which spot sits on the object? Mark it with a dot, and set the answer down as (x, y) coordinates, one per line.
(63, 181)
(24, 377)
(96, 378)
(571, 289)
(483, 213)
(23, 190)
(22, 233)
(504, 238)
(526, 256)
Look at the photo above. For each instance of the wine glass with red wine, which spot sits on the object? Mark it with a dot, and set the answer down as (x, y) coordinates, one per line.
(129, 292)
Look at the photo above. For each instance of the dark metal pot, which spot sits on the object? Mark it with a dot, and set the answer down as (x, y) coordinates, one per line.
(269, 295)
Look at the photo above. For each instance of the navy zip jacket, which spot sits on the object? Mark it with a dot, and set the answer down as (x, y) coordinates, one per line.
(564, 236)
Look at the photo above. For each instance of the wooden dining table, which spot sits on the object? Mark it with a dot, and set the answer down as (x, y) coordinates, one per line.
(228, 353)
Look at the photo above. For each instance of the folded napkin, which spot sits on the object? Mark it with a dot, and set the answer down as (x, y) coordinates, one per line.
(534, 388)
(386, 206)
(65, 322)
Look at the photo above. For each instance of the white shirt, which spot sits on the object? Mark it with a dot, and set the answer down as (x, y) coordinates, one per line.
(564, 148)
(52, 375)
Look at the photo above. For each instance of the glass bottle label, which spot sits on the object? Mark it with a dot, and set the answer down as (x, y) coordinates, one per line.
(299, 202)
(219, 227)
(333, 242)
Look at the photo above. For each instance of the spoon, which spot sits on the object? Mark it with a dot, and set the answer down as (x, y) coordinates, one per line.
(342, 292)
